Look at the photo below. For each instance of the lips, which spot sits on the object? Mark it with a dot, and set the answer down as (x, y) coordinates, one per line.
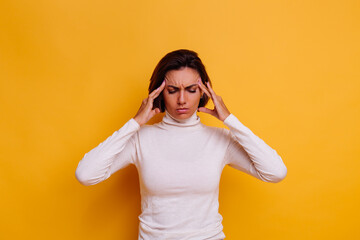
(182, 110)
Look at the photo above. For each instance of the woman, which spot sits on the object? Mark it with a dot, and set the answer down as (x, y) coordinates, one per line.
(180, 160)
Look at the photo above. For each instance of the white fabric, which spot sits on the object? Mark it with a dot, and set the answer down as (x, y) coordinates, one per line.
(180, 163)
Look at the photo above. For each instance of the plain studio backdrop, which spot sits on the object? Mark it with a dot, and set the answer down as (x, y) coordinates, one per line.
(73, 72)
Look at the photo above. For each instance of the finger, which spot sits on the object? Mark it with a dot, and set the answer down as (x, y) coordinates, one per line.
(210, 89)
(216, 99)
(160, 89)
(202, 86)
(154, 112)
(157, 110)
(157, 91)
(144, 102)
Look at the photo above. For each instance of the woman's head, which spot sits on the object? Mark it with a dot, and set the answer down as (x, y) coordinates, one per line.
(181, 69)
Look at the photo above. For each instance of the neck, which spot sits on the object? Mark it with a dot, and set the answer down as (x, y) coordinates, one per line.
(191, 121)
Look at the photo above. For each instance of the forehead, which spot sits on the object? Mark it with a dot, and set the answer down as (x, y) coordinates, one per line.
(182, 77)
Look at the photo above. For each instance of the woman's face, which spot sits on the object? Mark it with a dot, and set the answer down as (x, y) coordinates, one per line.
(182, 93)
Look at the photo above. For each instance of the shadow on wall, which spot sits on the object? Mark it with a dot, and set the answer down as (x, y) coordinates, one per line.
(117, 206)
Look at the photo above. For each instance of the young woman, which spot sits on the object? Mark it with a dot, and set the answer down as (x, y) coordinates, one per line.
(180, 160)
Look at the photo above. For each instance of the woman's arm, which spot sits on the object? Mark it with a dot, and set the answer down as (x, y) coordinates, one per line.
(246, 151)
(250, 154)
(115, 153)
(118, 150)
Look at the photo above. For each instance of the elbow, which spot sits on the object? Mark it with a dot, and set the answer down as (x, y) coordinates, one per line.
(83, 178)
(274, 176)
(279, 175)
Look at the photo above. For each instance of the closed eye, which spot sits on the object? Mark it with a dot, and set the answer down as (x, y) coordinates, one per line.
(172, 91)
(190, 89)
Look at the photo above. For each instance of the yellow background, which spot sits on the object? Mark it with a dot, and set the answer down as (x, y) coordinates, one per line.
(73, 72)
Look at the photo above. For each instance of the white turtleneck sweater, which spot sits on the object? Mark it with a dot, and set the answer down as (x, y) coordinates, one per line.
(179, 164)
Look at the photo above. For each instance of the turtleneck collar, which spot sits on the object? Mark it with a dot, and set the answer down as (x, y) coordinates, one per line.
(191, 121)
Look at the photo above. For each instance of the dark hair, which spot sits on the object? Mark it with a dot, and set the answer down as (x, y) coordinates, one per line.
(174, 61)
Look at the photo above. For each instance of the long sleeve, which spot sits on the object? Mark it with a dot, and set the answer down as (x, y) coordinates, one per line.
(116, 152)
(250, 154)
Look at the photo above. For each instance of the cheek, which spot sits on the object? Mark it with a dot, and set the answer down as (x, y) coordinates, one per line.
(196, 97)
(171, 99)
(168, 99)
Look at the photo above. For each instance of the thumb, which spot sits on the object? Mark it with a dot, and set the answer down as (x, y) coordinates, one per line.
(155, 111)
(205, 110)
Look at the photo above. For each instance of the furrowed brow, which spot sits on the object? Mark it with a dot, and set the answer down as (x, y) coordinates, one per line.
(185, 87)
(173, 87)
(193, 85)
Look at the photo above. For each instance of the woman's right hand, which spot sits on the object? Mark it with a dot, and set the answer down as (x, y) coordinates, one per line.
(145, 112)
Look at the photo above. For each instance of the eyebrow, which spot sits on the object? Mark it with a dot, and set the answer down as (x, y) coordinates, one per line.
(185, 87)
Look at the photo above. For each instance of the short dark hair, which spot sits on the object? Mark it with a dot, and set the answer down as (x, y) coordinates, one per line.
(174, 61)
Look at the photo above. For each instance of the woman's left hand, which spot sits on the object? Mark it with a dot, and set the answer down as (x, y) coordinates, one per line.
(220, 111)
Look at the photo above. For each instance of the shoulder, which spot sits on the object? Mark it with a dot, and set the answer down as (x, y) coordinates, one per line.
(144, 129)
(218, 132)
(149, 130)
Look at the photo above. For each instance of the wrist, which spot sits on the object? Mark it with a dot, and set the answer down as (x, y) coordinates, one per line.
(226, 116)
(138, 121)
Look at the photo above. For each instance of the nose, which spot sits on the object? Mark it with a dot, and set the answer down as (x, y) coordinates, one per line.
(181, 98)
